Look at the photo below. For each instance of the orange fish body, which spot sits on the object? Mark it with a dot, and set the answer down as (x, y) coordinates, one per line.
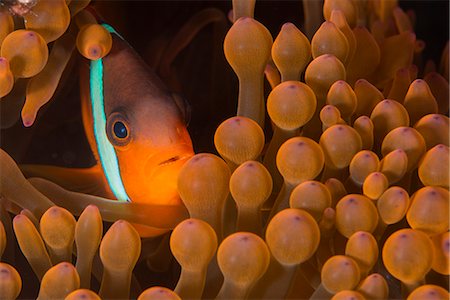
(136, 129)
(144, 124)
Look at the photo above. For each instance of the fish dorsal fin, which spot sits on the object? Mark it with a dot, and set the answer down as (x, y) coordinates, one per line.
(83, 180)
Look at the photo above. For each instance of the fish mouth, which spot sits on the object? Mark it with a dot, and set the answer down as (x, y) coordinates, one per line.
(174, 159)
(167, 158)
(161, 175)
(154, 179)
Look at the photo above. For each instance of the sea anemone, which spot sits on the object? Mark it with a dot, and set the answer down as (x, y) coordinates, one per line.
(339, 191)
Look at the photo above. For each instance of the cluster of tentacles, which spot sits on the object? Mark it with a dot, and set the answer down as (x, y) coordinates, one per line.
(349, 199)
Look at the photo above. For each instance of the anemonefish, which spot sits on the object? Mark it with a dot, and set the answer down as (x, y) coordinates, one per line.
(136, 129)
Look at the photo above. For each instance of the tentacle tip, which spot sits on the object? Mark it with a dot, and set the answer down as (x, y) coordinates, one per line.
(287, 25)
(95, 52)
(27, 122)
(92, 207)
(18, 217)
(28, 117)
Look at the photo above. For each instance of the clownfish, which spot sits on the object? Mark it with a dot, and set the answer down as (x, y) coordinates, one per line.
(137, 131)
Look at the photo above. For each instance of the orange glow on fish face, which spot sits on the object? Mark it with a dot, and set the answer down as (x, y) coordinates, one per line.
(154, 146)
(158, 147)
(157, 183)
(153, 178)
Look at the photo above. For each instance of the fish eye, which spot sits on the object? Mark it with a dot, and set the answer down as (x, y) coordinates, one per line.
(120, 130)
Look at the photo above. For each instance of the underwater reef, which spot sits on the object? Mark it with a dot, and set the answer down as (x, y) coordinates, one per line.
(241, 149)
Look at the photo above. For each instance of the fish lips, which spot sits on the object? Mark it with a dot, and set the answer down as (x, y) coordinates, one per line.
(161, 174)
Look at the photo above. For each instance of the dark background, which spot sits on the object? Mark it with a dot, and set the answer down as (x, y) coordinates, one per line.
(205, 79)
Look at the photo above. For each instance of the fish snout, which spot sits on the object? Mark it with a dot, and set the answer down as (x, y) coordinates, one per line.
(172, 158)
(161, 175)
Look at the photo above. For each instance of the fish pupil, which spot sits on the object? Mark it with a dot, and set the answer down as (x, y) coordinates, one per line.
(120, 130)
